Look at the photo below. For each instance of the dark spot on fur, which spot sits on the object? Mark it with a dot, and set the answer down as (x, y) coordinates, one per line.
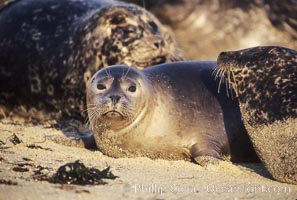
(249, 64)
(154, 27)
(112, 61)
(114, 48)
(239, 79)
(71, 102)
(244, 72)
(259, 87)
(254, 103)
(117, 20)
(127, 31)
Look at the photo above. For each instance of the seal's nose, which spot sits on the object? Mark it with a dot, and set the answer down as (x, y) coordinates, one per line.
(115, 99)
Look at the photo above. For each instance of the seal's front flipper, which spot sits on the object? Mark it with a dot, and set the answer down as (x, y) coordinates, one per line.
(89, 141)
(75, 140)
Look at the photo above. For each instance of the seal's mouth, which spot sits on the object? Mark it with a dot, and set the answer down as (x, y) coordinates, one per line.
(113, 114)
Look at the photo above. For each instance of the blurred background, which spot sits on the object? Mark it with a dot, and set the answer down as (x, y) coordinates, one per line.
(204, 28)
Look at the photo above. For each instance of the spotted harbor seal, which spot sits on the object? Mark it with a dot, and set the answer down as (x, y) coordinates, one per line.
(50, 48)
(265, 81)
(168, 111)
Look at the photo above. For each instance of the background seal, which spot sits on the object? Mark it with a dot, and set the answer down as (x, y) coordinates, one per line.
(50, 48)
(265, 81)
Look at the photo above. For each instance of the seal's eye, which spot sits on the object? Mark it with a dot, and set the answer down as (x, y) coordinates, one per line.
(101, 86)
(132, 88)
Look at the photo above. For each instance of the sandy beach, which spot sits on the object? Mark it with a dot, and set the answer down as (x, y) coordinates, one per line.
(23, 165)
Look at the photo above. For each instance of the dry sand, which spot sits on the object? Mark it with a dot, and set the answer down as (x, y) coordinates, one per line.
(139, 178)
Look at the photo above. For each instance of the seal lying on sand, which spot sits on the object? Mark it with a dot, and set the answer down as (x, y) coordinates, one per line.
(265, 81)
(168, 111)
(50, 48)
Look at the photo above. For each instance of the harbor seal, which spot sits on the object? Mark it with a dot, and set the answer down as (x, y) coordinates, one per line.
(265, 81)
(168, 111)
(50, 48)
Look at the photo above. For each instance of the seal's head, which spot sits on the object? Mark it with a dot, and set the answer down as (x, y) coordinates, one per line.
(264, 79)
(255, 66)
(116, 97)
(129, 35)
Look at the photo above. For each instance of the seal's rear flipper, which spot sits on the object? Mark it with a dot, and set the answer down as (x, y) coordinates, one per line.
(205, 154)
(204, 161)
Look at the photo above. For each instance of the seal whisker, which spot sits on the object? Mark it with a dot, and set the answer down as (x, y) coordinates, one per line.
(110, 76)
(107, 71)
(228, 77)
(219, 73)
(226, 74)
(91, 113)
(234, 83)
(215, 73)
(230, 72)
(88, 108)
(123, 73)
(227, 89)
(228, 86)
(126, 74)
(93, 116)
(87, 123)
(107, 74)
(220, 82)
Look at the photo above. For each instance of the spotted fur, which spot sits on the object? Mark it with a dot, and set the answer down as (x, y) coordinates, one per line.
(265, 80)
(50, 49)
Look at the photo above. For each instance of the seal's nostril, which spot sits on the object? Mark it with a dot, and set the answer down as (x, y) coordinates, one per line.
(115, 98)
(156, 44)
